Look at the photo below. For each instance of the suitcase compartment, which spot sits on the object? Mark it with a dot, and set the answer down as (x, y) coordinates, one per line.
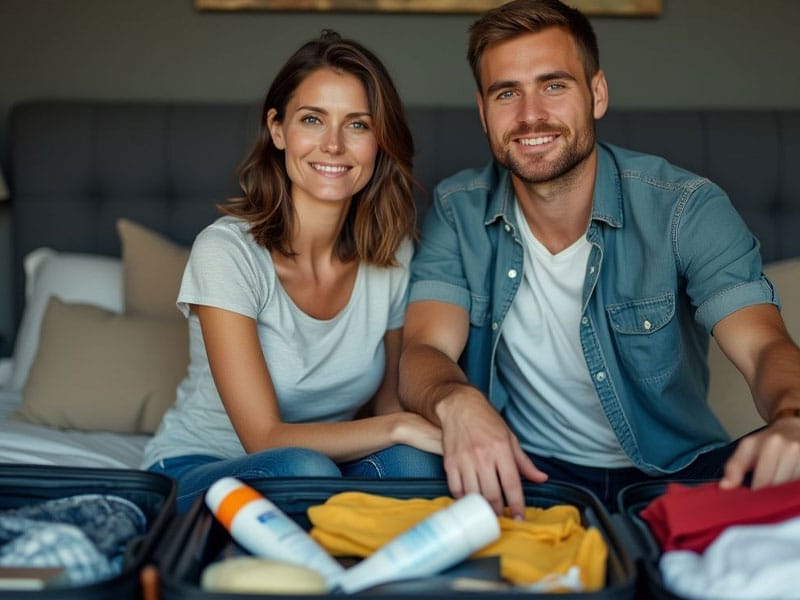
(640, 540)
(154, 494)
(197, 539)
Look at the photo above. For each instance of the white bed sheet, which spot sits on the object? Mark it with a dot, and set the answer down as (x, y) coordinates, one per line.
(35, 444)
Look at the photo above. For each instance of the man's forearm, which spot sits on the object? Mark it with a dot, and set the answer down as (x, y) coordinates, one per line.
(427, 376)
(777, 381)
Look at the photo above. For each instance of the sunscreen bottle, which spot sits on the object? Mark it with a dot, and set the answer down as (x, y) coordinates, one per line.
(264, 530)
(440, 541)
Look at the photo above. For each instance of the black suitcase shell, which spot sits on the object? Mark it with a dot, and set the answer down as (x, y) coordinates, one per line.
(196, 538)
(22, 485)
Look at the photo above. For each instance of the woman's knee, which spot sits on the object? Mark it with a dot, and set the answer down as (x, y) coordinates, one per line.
(413, 463)
(290, 462)
(278, 462)
(398, 462)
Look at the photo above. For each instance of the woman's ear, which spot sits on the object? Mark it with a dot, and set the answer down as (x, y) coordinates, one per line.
(275, 129)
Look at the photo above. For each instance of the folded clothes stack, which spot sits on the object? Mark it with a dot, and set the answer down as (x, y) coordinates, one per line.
(739, 543)
(549, 544)
(85, 535)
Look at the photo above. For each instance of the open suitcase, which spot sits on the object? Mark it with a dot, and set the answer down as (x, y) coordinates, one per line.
(196, 539)
(154, 495)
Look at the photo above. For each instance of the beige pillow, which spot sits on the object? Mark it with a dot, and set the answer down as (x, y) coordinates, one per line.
(96, 370)
(153, 268)
(728, 393)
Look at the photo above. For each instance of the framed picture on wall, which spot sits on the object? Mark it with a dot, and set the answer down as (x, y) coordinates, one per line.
(631, 8)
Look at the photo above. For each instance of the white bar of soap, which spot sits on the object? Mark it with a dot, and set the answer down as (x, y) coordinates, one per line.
(250, 574)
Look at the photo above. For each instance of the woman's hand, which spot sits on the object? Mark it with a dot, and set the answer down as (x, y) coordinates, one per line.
(415, 430)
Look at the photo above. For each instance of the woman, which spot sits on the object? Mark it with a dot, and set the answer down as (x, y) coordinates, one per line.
(296, 297)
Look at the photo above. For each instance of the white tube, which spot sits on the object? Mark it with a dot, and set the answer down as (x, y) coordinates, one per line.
(264, 530)
(442, 540)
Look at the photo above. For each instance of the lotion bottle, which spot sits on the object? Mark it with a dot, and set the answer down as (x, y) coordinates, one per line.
(264, 530)
(440, 541)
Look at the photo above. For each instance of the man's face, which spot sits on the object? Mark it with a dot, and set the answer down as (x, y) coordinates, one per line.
(536, 106)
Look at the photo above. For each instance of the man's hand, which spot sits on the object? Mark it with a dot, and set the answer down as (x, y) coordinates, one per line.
(772, 454)
(481, 454)
(755, 339)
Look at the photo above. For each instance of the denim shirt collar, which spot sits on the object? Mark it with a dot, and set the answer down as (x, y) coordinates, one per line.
(606, 202)
(501, 202)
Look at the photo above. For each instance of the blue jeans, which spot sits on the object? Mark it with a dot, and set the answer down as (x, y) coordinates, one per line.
(607, 483)
(196, 472)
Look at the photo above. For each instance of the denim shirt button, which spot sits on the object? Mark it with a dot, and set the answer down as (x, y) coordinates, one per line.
(585, 320)
(512, 274)
(600, 376)
(508, 227)
(647, 325)
(591, 270)
(494, 326)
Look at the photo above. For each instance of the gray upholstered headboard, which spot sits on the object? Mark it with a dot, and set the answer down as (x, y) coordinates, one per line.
(78, 165)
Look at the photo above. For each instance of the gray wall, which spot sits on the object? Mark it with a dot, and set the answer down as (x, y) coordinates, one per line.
(699, 53)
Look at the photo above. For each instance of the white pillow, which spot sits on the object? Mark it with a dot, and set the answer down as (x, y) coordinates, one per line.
(72, 277)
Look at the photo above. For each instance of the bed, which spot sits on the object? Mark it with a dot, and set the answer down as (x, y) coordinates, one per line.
(107, 197)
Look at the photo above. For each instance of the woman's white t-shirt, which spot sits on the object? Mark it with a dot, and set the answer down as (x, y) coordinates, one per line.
(322, 370)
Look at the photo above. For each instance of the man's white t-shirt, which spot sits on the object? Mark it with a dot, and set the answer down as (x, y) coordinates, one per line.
(322, 370)
(553, 407)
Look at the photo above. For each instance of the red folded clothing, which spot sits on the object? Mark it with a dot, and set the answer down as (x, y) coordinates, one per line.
(691, 517)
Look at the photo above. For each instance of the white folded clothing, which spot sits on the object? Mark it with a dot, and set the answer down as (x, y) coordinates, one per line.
(745, 561)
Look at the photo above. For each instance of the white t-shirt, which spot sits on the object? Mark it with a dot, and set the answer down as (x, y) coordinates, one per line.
(553, 406)
(322, 370)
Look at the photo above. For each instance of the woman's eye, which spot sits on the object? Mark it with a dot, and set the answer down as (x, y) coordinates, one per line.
(311, 120)
(359, 125)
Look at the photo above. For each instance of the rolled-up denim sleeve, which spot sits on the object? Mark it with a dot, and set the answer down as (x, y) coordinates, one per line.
(719, 257)
(437, 271)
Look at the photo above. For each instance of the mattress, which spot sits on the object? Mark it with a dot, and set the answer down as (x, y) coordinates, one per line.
(36, 444)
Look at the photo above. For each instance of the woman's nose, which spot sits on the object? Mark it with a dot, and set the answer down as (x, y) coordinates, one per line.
(332, 143)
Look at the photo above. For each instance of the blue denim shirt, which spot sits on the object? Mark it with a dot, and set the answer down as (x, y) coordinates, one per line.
(670, 257)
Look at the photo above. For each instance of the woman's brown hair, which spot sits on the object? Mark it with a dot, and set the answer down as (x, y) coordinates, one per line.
(383, 213)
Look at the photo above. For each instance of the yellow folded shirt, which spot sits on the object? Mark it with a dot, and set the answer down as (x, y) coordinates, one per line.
(548, 541)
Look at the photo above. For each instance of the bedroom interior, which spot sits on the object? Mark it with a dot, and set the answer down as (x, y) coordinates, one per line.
(704, 107)
(113, 161)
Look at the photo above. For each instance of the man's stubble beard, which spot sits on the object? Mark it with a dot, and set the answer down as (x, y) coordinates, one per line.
(537, 170)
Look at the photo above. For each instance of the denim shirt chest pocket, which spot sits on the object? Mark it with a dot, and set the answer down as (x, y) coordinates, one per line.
(647, 335)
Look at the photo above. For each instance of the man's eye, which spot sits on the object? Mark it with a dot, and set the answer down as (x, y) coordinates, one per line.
(505, 95)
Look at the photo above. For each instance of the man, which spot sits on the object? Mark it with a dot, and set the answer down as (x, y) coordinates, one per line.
(577, 284)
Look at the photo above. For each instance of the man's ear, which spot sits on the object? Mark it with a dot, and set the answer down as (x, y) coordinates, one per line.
(275, 129)
(599, 94)
(479, 99)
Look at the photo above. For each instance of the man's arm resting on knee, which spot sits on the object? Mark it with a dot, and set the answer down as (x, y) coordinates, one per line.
(481, 454)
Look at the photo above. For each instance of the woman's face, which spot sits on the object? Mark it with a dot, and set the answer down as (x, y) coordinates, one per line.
(327, 136)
